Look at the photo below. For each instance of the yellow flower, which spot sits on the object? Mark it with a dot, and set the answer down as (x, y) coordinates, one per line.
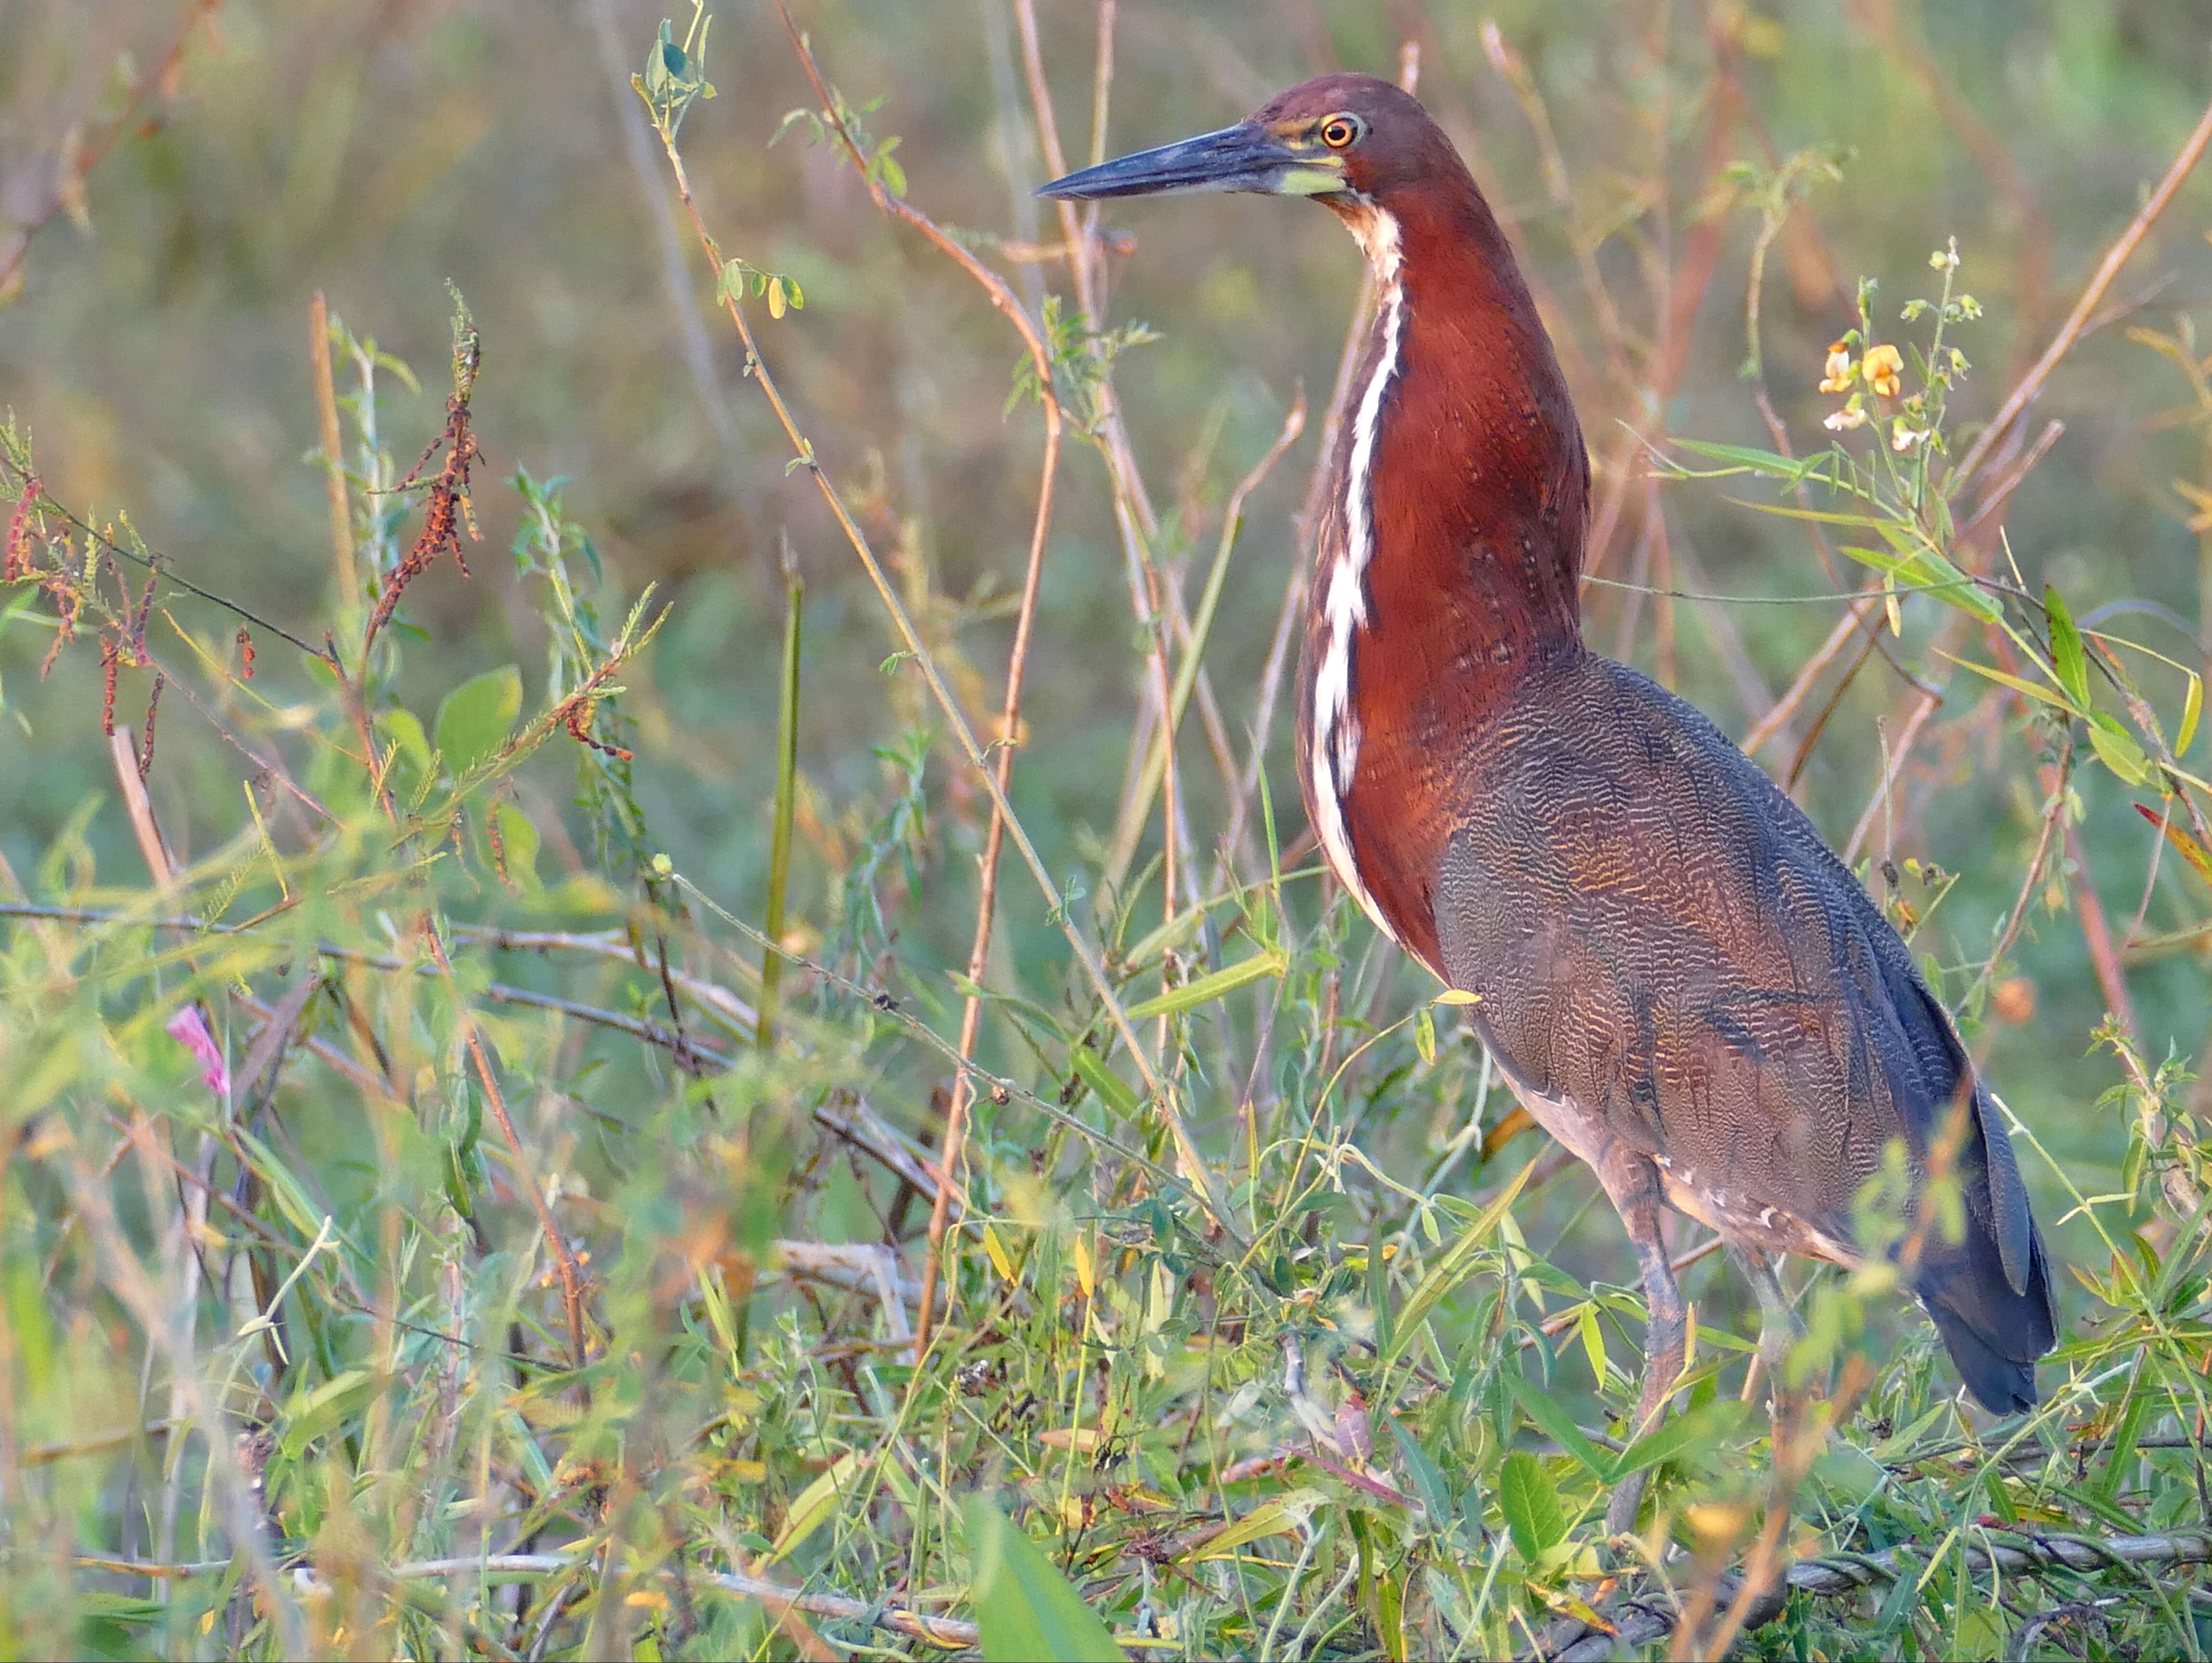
(1903, 437)
(1843, 421)
(1839, 378)
(1881, 369)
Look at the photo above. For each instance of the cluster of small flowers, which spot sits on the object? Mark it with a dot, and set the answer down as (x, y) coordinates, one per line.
(1883, 367)
(1882, 370)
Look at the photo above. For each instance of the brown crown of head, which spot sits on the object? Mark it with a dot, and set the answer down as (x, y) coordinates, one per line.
(1384, 140)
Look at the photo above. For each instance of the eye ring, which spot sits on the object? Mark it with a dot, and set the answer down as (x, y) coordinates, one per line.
(1342, 132)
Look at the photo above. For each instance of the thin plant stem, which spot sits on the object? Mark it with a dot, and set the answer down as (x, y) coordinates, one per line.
(952, 1146)
(347, 573)
(1133, 516)
(564, 1261)
(787, 794)
(1186, 677)
(2093, 293)
(1094, 969)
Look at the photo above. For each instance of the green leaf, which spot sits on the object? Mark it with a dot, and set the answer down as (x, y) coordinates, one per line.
(1848, 1474)
(405, 736)
(1213, 985)
(1905, 1439)
(1947, 583)
(816, 1506)
(2027, 688)
(1425, 1035)
(1286, 1515)
(1378, 1291)
(2117, 750)
(1890, 566)
(1978, 1634)
(1702, 1426)
(477, 716)
(1825, 517)
(656, 62)
(1551, 1415)
(1457, 1264)
(1091, 1069)
(1928, 572)
(517, 837)
(1531, 1501)
(2068, 660)
(887, 169)
(1768, 463)
(1428, 1477)
(1028, 1611)
(1593, 1338)
(2193, 708)
(322, 1410)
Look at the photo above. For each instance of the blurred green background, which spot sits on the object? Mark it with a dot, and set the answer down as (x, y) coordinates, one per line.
(157, 350)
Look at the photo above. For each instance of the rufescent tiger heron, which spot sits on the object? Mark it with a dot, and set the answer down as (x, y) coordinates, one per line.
(1680, 981)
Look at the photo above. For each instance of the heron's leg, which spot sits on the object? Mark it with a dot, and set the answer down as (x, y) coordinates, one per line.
(1778, 1326)
(1631, 1182)
(1778, 1323)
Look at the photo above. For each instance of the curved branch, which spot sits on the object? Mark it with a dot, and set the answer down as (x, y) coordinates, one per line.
(2041, 1553)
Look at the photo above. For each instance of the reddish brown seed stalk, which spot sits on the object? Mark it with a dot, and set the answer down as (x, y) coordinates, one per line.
(140, 612)
(109, 655)
(67, 603)
(443, 518)
(577, 721)
(153, 704)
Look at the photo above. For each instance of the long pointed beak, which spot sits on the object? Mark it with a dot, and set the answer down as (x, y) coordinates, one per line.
(1245, 157)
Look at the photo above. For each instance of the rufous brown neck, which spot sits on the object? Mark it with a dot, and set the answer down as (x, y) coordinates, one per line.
(1447, 567)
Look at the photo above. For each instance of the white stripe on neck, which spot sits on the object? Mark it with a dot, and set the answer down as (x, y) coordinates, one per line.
(1344, 602)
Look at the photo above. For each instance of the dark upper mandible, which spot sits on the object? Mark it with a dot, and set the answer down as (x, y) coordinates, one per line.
(1335, 135)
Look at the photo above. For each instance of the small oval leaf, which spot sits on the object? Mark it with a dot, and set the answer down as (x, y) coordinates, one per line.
(1531, 1503)
(518, 849)
(477, 716)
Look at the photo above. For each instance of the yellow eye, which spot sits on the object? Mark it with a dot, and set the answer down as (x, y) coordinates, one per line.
(1340, 131)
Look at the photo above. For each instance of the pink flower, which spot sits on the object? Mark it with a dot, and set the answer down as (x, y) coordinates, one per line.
(189, 1029)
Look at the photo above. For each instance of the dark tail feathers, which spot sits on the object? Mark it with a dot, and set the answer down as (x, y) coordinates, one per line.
(1991, 1301)
(1997, 1362)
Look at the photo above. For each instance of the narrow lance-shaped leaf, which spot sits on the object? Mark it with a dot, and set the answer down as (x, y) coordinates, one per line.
(1213, 985)
(816, 1506)
(1450, 1270)
(1027, 1611)
(2026, 688)
(1742, 457)
(1283, 1516)
(1552, 1416)
(1091, 1069)
(2068, 661)
(2200, 861)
